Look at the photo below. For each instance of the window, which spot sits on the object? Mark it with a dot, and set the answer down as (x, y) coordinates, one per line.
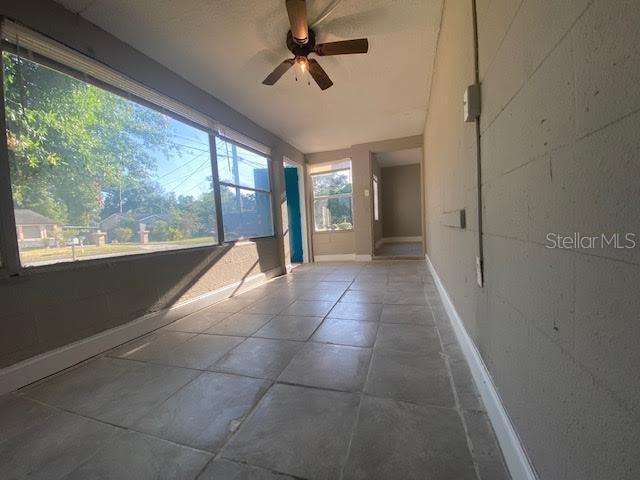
(94, 174)
(245, 191)
(376, 204)
(332, 199)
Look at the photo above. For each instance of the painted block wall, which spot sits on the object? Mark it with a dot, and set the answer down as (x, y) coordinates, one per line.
(45, 310)
(48, 308)
(560, 138)
(400, 201)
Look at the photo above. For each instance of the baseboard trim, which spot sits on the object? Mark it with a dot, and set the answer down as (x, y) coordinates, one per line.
(513, 450)
(363, 258)
(337, 257)
(401, 239)
(48, 363)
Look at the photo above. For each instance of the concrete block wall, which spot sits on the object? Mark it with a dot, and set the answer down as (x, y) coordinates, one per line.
(47, 309)
(560, 139)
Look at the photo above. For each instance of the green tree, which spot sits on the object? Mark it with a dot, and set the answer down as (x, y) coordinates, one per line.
(122, 234)
(69, 142)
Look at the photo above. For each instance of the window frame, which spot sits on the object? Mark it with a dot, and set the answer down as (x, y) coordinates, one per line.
(10, 262)
(221, 183)
(326, 197)
(9, 252)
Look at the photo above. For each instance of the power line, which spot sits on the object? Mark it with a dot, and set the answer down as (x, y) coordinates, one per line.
(179, 180)
(181, 166)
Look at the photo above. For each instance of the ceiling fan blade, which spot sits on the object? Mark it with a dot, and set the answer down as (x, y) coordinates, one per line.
(360, 45)
(297, 10)
(319, 75)
(280, 70)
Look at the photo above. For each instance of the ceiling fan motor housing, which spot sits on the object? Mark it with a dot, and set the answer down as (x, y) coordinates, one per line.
(301, 49)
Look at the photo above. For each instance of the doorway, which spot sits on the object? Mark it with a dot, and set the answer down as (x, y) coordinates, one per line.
(397, 204)
(292, 181)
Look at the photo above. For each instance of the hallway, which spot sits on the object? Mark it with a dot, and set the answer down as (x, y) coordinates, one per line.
(406, 249)
(335, 371)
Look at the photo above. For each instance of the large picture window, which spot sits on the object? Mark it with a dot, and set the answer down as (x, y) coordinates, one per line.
(94, 174)
(332, 199)
(245, 191)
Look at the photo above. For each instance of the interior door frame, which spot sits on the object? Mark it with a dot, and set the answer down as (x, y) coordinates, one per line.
(306, 254)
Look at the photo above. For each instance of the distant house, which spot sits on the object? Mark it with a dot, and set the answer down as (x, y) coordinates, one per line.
(32, 226)
(141, 220)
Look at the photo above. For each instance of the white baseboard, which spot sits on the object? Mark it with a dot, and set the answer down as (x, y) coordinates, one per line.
(338, 257)
(513, 450)
(48, 363)
(342, 257)
(401, 239)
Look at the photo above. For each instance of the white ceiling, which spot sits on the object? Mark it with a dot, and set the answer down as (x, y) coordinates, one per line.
(227, 47)
(400, 157)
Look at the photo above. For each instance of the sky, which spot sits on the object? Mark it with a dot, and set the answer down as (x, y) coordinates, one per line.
(186, 172)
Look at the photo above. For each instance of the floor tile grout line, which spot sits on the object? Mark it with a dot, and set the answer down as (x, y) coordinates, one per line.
(119, 427)
(364, 386)
(245, 418)
(270, 470)
(413, 404)
(218, 455)
(87, 460)
(259, 401)
(458, 408)
(268, 384)
(205, 370)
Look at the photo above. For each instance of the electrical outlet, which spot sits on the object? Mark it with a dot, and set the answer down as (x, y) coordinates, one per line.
(479, 278)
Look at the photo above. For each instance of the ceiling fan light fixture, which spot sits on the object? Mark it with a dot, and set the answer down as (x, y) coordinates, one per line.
(301, 41)
(303, 64)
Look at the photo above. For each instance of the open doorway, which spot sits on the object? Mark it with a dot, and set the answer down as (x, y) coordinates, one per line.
(397, 204)
(295, 231)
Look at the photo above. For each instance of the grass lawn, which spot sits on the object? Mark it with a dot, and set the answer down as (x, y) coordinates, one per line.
(50, 255)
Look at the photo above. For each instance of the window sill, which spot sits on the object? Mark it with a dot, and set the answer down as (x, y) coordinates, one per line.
(66, 265)
(248, 241)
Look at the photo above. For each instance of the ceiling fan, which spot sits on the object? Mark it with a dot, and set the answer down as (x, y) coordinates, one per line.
(301, 41)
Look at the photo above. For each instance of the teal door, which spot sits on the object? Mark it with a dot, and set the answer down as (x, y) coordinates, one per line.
(293, 207)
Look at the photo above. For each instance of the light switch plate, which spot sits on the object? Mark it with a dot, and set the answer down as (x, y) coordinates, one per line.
(366, 193)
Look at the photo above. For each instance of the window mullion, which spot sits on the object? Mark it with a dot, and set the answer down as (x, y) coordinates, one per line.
(216, 188)
(9, 250)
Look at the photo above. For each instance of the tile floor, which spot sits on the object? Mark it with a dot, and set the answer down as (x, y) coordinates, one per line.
(404, 249)
(336, 371)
